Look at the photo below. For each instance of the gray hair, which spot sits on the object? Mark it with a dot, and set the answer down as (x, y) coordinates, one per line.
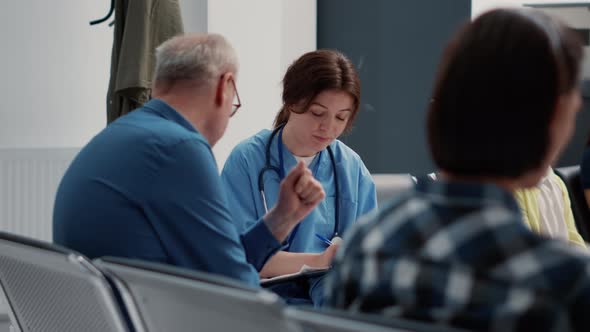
(202, 58)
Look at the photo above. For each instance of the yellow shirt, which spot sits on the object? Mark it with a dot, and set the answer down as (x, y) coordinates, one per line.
(558, 220)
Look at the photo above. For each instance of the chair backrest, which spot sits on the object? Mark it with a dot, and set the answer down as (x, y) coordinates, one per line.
(50, 288)
(571, 177)
(176, 299)
(315, 321)
(390, 185)
(332, 320)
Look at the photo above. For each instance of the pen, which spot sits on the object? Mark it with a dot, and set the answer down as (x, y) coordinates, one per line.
(328, 242)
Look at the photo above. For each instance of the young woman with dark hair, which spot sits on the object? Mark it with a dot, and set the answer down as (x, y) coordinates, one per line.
(321, 97)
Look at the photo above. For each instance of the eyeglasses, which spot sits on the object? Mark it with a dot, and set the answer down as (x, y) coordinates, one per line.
(237, 105)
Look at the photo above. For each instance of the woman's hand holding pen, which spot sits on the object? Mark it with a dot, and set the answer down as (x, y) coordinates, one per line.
(325, 258)
(300, 193)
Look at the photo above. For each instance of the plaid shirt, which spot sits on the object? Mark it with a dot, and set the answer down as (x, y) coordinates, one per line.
(459, 254)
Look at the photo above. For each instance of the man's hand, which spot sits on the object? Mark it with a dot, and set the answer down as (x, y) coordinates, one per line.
(299, 194)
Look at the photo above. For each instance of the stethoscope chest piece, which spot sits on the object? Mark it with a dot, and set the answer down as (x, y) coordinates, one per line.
(279, 172)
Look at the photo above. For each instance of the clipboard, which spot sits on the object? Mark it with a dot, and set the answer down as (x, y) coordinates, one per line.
(304, 274)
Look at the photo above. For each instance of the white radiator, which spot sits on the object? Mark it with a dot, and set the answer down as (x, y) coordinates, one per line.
(28, 182)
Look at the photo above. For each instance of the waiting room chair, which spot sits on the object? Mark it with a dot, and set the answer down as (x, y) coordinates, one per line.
(176, 299)
(52, 289)
(332, 320)
(571, 176)
(390, 185)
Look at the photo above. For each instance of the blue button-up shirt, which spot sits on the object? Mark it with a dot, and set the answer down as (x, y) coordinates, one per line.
(148, 187)
(459, 254)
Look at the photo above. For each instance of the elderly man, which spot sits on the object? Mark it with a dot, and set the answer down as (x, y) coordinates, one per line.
(148, 187)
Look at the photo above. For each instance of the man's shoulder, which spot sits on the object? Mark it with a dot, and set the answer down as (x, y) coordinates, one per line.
(550, 268)
(408, 203)
(556, 251)
(153, 129)
(398, 210)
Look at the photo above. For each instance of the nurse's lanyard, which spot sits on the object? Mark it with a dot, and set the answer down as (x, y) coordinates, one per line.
(280, 172)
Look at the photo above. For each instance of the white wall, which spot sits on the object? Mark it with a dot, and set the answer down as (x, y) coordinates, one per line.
(194, 15)
(56, 66)
(576, 17)
(55, 72)
(267, 35)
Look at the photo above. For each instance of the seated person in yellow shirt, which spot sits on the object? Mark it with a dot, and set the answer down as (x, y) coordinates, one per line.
(546, 209)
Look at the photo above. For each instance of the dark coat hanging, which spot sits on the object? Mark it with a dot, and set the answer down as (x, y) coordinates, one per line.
(140, 26)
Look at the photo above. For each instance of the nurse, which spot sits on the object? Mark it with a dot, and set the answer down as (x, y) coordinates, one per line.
(321, 96)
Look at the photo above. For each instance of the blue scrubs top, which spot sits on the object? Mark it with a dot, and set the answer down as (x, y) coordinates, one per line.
(240, 176)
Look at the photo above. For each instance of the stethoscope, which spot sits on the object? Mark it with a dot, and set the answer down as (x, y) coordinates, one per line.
(279, 171)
